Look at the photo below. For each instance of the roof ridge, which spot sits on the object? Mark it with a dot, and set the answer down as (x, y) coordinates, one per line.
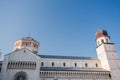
(65, 57)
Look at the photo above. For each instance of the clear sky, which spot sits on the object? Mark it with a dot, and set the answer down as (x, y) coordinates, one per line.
(63, 27)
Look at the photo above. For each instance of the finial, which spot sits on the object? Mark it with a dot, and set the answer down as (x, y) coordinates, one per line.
(29, 34)
(99, 28)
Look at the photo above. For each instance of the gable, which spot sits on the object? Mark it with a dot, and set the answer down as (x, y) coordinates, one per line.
(22, 55)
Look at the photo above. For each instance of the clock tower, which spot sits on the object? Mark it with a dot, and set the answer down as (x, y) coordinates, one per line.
(107, 54)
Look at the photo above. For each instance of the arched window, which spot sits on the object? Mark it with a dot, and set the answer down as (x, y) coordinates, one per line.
(106, 40)
(52, 64)
(42, 63)
(96, 65)
(34, 65)
(64, 64)
(8, 66)
(102, 41)
(13, 64)
(75, 64)
(86, 65)
(24, 51)
(110, 76)
(26, 44)
(16, 65)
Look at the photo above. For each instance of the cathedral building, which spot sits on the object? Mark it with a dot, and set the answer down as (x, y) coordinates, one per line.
(25, 62)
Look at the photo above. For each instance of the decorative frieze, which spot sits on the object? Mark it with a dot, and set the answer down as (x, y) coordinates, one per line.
(21, 65)
(75, 75)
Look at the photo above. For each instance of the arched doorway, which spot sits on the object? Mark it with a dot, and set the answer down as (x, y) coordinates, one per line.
(20, 76)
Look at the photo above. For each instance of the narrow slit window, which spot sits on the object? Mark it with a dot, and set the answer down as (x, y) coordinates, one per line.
(86, 65)
(96, 65)
(52, 64)
(75, 64)
(64, 64)
(42, 63)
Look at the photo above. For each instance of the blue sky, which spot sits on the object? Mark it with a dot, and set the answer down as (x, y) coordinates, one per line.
(63, 27)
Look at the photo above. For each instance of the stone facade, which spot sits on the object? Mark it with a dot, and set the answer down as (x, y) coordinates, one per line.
(24, 63)
(23, 55)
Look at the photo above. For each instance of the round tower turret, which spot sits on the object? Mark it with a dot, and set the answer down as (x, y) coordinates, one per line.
(28, 43)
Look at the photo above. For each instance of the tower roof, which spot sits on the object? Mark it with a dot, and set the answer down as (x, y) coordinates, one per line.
(28, 38)
(101, 33)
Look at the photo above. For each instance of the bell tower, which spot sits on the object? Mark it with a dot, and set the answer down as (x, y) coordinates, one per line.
(107, 54)
(28, 43)
(102, 37)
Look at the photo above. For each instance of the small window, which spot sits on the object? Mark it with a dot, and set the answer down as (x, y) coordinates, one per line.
(42, 63)
(102, 41)
(96, 65)
(110, 76)
(98, 43)
(52, 64)
(86, 65)
(75, 64)
(24, 51)
(64, 64)
(26, 44)
(106, 40)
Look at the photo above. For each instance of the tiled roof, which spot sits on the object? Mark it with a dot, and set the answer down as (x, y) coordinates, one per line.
(28, 38)
(70, 69)
(65, 57)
